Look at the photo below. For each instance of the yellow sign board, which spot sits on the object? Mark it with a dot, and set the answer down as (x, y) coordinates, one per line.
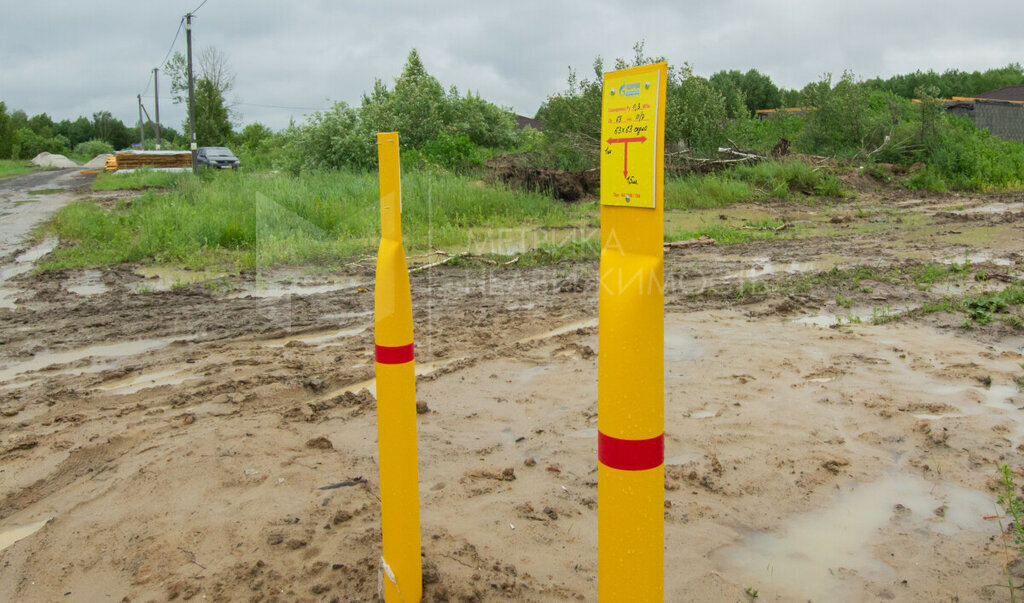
(630, 120)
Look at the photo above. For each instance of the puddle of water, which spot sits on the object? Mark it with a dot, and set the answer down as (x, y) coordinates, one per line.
(681, 346)
(371, 384)
(534, 371)
(160, 278)
(510, 241)
(130, 385)
(86, 284)
(7, 297)
(694, 220)
(270, 290)
(825, 321)
(12, 270)
(584, 433)
(520, 307)
(314, 338)
(583, 324)
(128, 348)
(344, 315)
(802, 557)
(854, 316)
(764, 266)
(12, 535)
(975, 288)
(994, 398)
(38, 251)
(1003, 237)
(992, 208)
(23, 262)
(949, 415)
(978, 257)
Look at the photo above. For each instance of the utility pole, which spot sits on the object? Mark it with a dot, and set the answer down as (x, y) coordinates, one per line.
(142, 134)
(156, 102)
(191, 92)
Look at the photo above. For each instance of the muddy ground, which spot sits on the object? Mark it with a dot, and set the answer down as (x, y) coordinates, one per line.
(176, 435)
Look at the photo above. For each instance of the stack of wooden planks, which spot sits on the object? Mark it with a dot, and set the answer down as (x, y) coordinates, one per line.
(133, 160)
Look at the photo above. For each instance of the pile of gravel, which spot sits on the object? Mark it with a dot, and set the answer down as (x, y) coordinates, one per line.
(45, 159)
(98, 161)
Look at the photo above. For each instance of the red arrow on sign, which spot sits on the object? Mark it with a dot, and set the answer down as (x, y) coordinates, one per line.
(625, 150)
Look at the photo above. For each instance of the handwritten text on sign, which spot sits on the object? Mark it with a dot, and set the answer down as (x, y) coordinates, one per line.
(629, 125)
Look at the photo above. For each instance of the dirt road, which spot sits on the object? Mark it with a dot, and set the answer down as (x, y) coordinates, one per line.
(23, 208)
(175, 435)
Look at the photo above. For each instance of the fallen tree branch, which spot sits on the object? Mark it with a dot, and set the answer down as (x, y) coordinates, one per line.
(433, 264)
(700, 241)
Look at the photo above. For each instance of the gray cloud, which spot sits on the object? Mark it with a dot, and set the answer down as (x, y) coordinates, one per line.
(70, 59)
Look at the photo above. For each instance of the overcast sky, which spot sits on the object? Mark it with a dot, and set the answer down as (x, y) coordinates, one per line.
(71, 58)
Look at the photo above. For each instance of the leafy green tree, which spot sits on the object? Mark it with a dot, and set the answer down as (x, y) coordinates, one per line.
(42, 125)
(695, 113)
(78, 131)
(19, 120)
(254, 135)
(735, 105)
(332, 139)
(213, 127)
(92, 148)
(210, 64)
(951, 82)
(843, 119)
(6, 134)
(27, 144)
(417, 108)
(757, 89)
(107, 127)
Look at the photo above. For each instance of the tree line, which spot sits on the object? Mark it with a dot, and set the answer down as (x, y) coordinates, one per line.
(24, 137)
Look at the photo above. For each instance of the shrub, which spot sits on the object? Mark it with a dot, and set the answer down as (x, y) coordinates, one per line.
(27, 144)
(92, 148)
(437, 124)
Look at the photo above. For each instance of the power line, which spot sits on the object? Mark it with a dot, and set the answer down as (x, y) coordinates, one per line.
(173, 42)
(146, 89)
(169, 51)
(198, 7)
(167, 98)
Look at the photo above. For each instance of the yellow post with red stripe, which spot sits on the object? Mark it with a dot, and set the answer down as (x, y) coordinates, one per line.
(396, 391)
(631, 373)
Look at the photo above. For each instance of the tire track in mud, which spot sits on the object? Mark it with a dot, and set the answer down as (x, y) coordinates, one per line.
(257, 391)
(88, 461)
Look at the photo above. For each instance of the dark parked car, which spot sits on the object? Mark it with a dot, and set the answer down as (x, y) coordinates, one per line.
(216, 157)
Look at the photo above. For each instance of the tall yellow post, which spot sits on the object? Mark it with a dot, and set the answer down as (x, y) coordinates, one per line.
(631, 393)
(396, 391)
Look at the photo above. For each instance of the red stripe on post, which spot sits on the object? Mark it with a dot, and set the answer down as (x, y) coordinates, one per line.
(394, 355)
(630, 455)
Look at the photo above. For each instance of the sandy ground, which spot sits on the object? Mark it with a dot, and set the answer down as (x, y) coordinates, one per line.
(172, 435)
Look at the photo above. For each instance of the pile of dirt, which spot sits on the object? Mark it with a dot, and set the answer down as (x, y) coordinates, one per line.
(97, 162)
(512, 171)
(45, 159)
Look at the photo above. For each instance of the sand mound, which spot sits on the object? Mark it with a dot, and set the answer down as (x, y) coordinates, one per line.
(58, 161)
(98, 161)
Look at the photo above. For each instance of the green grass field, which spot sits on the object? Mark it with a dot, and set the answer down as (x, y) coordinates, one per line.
(247, 220)
(783, 180)
(106, 181)
(9, 168)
